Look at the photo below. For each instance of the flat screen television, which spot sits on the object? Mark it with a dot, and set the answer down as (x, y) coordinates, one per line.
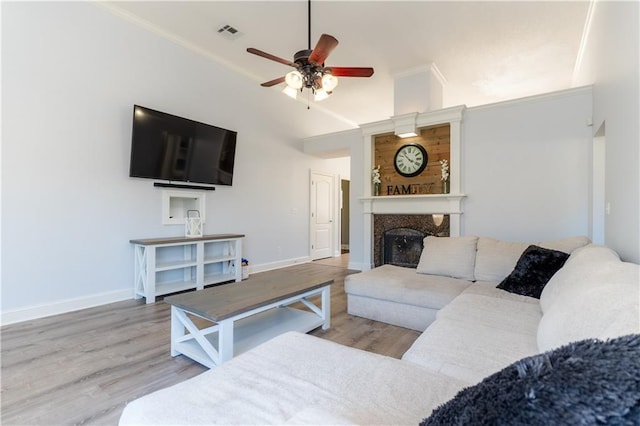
(167, 147)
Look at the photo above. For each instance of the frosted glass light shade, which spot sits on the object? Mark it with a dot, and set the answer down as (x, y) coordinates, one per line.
(290, 91)
(320, 95)
(294, 79)
(329, 82)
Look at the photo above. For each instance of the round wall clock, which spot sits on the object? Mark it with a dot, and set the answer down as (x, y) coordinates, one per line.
(410, 160)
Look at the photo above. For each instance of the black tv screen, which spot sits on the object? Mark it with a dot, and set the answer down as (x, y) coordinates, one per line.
(167, 147)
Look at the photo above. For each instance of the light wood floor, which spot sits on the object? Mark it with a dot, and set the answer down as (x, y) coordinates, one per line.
(83, 367)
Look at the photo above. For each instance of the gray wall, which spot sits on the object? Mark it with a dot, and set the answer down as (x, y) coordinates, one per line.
(527, 168)
(71, 73)
(610, 63)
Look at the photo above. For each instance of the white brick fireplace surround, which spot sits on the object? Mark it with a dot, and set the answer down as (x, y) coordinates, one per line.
(451, 204)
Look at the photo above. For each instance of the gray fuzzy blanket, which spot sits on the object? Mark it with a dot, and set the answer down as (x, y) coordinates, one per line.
(590, 382)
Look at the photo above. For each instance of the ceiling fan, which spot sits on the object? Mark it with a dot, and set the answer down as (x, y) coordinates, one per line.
(310, 71)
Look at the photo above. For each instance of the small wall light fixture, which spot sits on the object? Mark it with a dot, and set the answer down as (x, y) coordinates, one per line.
(405, 125)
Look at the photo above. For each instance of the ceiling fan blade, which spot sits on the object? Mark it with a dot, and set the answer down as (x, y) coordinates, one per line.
(270, 56)
(273, 82)
(325, 46)
(351, 71)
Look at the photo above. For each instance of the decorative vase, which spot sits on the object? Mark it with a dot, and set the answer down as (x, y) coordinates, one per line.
(445, 186)
(376, 189)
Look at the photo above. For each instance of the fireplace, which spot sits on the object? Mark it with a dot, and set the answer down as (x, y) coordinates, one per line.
(398, 237)
(402, 247)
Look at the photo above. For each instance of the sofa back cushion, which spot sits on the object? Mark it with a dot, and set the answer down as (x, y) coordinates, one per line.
(581, 265)
(496, 259)
(595, 295)
(449, 256)
(567, 245)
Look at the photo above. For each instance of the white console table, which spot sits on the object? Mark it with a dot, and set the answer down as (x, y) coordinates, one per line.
(169, 265)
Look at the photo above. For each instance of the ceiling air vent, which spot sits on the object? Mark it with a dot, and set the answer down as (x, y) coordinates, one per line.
(229, 32)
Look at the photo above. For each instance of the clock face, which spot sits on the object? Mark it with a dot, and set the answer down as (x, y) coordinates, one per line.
(410, 160)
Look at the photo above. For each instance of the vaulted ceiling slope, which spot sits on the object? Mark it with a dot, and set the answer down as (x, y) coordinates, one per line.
(486, 51)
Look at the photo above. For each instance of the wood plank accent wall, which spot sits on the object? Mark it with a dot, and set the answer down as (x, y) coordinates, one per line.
(436, 140)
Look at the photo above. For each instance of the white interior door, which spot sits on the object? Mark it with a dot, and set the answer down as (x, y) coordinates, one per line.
(321, 194)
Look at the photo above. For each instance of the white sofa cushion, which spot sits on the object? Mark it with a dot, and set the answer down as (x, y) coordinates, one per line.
(404, 285)
(496, 259)
(449, 256)
(582, 264)
(333, 415)
(486, 288)
(482, 303)
(567, 245)
(479, 332)
(401, 314)
(596, 296)
(295, 377)
(467, 351)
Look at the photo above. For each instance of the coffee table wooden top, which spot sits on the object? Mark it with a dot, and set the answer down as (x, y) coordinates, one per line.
(228, 300)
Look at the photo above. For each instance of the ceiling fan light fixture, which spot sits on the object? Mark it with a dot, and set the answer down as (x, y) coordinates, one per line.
(290, 91)
(310, 72)
(329, 82)
(294, 79)
(320, 94)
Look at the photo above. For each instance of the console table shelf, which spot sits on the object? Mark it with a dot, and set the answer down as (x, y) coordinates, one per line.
(218, 259)
(169, 265)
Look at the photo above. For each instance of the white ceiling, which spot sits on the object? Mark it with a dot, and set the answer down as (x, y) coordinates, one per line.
(486, 51)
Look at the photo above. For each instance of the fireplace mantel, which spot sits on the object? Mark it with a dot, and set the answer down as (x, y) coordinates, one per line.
(413, 204)
(449, 204)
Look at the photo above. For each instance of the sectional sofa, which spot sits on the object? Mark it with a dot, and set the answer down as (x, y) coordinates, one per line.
(411, 298)
(479, 316)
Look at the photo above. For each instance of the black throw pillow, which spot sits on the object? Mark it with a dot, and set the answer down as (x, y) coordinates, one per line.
(583, 383)
(533, 271)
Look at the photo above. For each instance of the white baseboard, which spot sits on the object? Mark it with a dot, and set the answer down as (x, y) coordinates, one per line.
(64, 306)
(263, 267)
(70, 305)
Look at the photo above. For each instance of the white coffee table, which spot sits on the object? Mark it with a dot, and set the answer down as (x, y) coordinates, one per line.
(238, 316)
